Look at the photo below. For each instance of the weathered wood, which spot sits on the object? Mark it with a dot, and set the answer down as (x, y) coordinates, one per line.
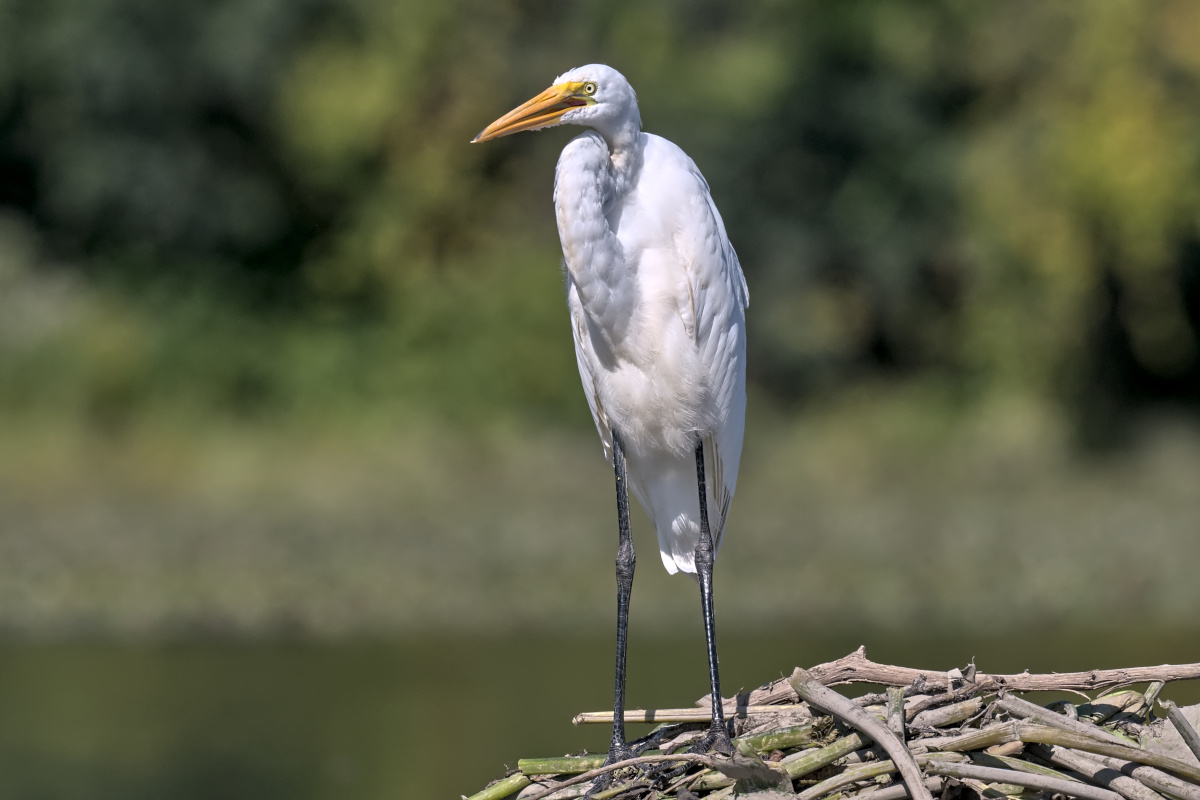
(592, 774)
(810, 689)
(1104, 776)
(899, 791)
(1186, 731)
(1156, 779)
(796, 765)
(948, 715)
(866, 772)
(563, 765)
(1027, 710)
(857, 668)
(1004, 745)
(502, 788)
(779, 739)
(1034, 733)
(895, 712)
(656, 715)
(1027, 779)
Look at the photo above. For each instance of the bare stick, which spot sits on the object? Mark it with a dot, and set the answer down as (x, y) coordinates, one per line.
(502, 788)
(1190, 737)
(674, 714)
(895, 711)
(998, 733)
(1042, 734)
(863, 772)
(866, 772)
(946, 715)
(797, 764)
(1028, 779)
(1096, 772)
(856, 667)
(562, 765)
(1156, 779)
(899, 791)
(779, 739)
(1027, 710)
(937, 700)
(1009, 762)
(629, 762)
(810, 689)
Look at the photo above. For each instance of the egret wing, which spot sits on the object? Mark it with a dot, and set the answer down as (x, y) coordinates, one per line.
(717, 299)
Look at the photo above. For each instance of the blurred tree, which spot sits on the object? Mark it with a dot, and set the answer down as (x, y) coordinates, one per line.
(1082, 194)
(136, 132)
(994, 198)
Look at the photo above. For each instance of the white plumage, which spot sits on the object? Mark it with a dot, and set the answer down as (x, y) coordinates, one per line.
(657, 301)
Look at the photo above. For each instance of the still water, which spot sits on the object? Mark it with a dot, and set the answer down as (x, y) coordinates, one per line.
(411, 718)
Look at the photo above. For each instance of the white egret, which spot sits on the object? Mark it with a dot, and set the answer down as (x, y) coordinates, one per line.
(657, 301)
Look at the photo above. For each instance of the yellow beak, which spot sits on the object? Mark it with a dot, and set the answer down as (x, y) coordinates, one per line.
(545, 109)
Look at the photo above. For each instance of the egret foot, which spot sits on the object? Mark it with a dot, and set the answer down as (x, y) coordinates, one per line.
(716, 740)
(618, 752)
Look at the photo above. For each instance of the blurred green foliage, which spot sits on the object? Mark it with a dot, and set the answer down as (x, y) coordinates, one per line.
(269, 207)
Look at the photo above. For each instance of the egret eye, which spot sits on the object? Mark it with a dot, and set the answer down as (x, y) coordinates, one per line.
(589, 88)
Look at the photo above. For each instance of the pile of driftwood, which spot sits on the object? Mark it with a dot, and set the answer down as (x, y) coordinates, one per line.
(961, 735)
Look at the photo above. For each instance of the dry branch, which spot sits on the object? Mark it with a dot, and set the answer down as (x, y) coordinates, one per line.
(826, 699)
(656, 715)
(1028, 779)
(857, 668)
(1186, 731)
(936, 728)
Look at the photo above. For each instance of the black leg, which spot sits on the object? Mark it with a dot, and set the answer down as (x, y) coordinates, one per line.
(717, 737)
(626, 560)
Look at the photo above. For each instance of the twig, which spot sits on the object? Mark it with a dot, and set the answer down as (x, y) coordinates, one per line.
(934, 701)
(632, 762)
(1156, 779)
(1190, 737)
(779, 739)
(1027, 710)
(562, 765)
(1096, 772)
(997, 733)
(502, 788)
(796, 765)
(1008, 762)
(801, 764)
(808, 688)
(895, 712)
(946, 715)
(865, 772)
(1041, 734)
(857, 668)
(674, 714)
(1106, 706)
(1151, 695)
(899, 791)
(1028, 779)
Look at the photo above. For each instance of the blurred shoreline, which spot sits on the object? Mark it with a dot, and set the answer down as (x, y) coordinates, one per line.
(866, 515)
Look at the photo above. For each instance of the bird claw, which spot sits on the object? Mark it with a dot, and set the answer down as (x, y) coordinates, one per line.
(616, 754)
(716, 740)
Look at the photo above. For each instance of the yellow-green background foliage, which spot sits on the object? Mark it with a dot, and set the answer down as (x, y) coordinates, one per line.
(258, 291)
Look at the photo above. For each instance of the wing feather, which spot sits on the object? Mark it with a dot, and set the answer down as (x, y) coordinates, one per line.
(717, 297)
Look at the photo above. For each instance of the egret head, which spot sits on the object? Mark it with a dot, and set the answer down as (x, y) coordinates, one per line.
(596, 96)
